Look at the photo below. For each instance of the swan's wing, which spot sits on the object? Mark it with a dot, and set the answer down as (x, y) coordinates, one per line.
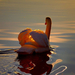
(40, 37)
(22, 33)
(23, 36)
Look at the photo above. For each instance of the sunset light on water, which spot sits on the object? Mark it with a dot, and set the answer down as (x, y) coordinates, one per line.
(16, 16)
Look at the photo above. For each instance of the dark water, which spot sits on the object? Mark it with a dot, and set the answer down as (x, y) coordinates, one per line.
(20, 14)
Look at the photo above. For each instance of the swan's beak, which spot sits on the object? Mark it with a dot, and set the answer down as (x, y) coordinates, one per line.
(45, 23)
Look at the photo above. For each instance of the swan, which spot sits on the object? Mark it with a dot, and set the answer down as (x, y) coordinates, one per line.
(34, 40)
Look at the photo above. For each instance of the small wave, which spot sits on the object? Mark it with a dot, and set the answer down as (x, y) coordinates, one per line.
(63, 66)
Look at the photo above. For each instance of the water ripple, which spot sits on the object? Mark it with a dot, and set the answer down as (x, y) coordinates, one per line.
(58, 72)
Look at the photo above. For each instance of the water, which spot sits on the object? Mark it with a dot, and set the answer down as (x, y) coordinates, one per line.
(20, 14)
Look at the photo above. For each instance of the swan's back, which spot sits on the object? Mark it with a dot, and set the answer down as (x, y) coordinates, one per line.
(37, 38)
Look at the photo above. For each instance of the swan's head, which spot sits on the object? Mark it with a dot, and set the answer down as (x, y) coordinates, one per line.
(48, 26)
(48, 21)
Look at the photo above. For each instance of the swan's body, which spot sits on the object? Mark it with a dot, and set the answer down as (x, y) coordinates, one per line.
(34, 41)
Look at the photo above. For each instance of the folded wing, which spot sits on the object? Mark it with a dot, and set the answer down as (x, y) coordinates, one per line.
(40, 37)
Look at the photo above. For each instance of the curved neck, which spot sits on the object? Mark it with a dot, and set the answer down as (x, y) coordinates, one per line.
(48, 30)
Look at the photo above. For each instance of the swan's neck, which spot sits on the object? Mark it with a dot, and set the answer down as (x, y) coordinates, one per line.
(48, 30)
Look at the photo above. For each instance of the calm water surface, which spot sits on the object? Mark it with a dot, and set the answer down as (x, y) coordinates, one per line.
(17, 15)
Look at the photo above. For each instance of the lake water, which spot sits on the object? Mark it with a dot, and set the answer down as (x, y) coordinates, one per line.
(16, 15)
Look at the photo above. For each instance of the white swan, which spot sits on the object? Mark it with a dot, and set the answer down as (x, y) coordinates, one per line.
(34, 41)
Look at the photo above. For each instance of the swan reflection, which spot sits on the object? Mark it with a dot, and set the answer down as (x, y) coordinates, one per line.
(35, 64)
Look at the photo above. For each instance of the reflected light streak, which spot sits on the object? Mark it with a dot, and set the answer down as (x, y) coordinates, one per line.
(57, 39)
(65, 67)
(33, 24)
(39, 23)
(54, 46)
(64, 31)
(49, 55)
(3, 46)
(56, 62)
(67, 27)
(69, 21)
(9, 39)
(56, 33)
(12, 32)
(64, 25)
(2, 35)
(53, 52)
(3, 30)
